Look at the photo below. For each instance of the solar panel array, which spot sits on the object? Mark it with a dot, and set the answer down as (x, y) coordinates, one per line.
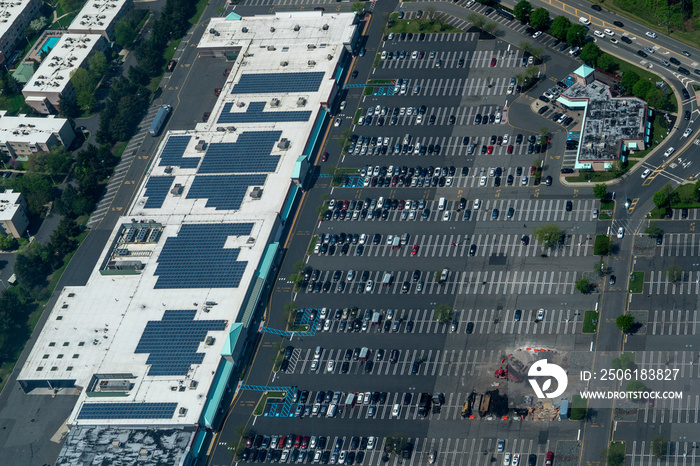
(196, 257)
(173, 153)
(224, 192)
(265, 83)
(127, 410)
(249, 154)
(254, 114)
(172, 342)
(157, 189)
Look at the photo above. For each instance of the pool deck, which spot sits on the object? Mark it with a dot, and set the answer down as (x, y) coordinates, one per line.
(33, 54)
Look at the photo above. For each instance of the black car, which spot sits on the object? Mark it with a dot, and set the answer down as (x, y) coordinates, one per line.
(465, 171)
(532, 458)
(409, 326)
(544, 99)
(618, 24)
(596, 7)
(470, 327)
(354, 74)
(548, 181)
(684, 91)
(569, 206)
(407, 397)
(674, 61)
(345, 367)
(509, 180)
(431, 120)
(642, 53)
(377, 238)
(394, 358)
(626, 39)
(683, 71)
(477, 119)
(660, 240)
(415, 367)
(416, 275)
(484, 148)
(543, 109)
(519, 139)
(472, 250)
(518, 315)
(687, 115)
(348, 354)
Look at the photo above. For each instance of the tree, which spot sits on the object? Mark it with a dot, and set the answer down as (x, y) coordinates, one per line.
(522, 11)
(583, 285)
(10, 85)
(477, 20)
(33, 265)
(613, 457)
(664, 197)
(491, 28)
(8, 242)
(525, 46)
(430, 13)
(150, 58)
(549, 235)
(358, 7)
(642, 88)
(443, 313)
(655, 98)
(653, 230)
(602, 245)
(606, 62)
(625, 322)
(600, 191)
(560, 27)
(659, 446)
(68, 107)
(628, 80)
(71, 5)
(635, 386)
(97, 65)
(590, 53)
(63, 238)
(290, 310)
(576, 35)
(36, 189)
(58, 161)
(539, 19)
(344, 137)
(537, 52)
(599, 267)
(674, 273)
(84, 86)
(125, 33)
(625, 362)
(64, 205)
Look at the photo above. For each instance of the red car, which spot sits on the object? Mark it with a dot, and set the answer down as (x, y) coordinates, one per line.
(206, 116)
(550, 459)
(532, 170)
(401, 204)
(297, 441)
(249, 441)
(493, 61)
(346, 204)
(227, 71)
(510, 149)
(489, 150)
(414, 251)
(305, 442)
(217, 91)
(281, 442)
(325, 157)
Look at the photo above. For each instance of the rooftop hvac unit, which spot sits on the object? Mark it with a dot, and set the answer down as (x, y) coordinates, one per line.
(221, 129)
(230, 129)
(270, 48)
(330, 57)
(283, 144)
(209, 341)
(245, 29)
(284, 63)
(275, 103)
(310, 47)
(301, 102)
(256, 193)
(182, 411)
(177, 190)
(272, 29)
(297, 27)
(201, 146)
(240, 104)
(116, 444)
(193, 384)
(325, 27)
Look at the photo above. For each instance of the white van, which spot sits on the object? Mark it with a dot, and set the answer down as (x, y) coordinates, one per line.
(441, 204)
(332, 409)
(584, 21)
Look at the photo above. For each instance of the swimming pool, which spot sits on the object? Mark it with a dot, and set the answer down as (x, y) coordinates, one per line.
(49, 44)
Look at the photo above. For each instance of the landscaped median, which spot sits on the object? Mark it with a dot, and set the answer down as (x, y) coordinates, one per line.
(636, 282)
(590, 323)
(276, 396)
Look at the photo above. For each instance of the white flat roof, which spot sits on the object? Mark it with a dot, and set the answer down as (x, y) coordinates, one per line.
(9, 11)
(31, 130)
(9, 203)
(55, 71)
(97, 15)
(111, 314)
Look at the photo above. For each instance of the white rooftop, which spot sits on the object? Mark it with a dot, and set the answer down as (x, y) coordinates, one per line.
(109, 315)
(97, 15)
(8, 204)
(9, 11)
(55, 71)
(22, 128)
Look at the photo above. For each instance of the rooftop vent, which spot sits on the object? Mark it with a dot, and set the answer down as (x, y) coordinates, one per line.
(284, 63)
(272, 29)
(201, 146)
(283, 144)
(221, 129)
(177, 190)
(275, 103)
(182, 411)
(311, 46)
(240, 104)
(271, 48)
(209, 341)
(244, 29)
(325, 27)
(301, 102)
(168, 170)
(297, 27)
(256, 193)
(311, 63)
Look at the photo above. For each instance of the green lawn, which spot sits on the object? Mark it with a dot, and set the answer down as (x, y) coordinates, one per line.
(579, 408)
(623, 66)
(637, 282)
(686, 191)
(14, 104)
(588, 325)
(369, 90)
(617, 448)
(356, 118)
(260, 408)
(201, 5)
(606, 205)
(312, 245)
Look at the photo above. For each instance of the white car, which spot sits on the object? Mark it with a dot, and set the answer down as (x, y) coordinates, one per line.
(414, 55)
(314, 365)
(505, 139)
(687, 132)
(516, 459)
(409, 111)
(609, 32)
(498, 118)
(651, 34)
(548, 95)
(336, 123)
(448, 181)
(477, 204)
(540, 314)
(506, 459)
(389, 239)
(620, 232)
(613, 41)
(370, 443)
(402, 112)
(446, 216)
(342, 105)
(419, 119)
(360, 398)
(383, 54)
(537, 34)
(330, 366)
(363, 238)
(669, 151)
(599, 34)
(482, 181)
(396, 410)
(369, 286)
(326, 325)
(646, 173)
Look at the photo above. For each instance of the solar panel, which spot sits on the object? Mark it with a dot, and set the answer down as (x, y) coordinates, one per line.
(255, 83)
(196, 257)
(224, 192)
(141, 235)
(254, 114)
(173, 153)
(250, 153)
(172, 342)
(127, 410)
(130, 234)
(157, 189)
